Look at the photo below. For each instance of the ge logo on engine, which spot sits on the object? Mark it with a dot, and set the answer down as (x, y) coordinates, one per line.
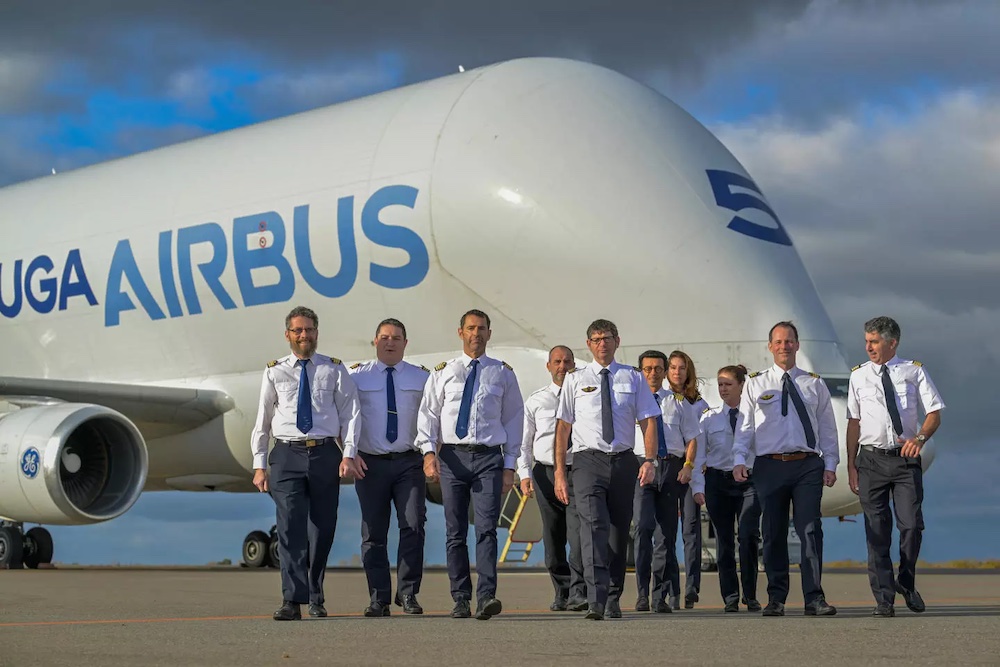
(30, 462)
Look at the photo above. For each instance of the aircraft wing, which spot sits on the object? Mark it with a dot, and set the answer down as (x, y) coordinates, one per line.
(156, 411)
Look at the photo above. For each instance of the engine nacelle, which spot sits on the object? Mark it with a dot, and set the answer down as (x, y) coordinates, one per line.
(69, 463)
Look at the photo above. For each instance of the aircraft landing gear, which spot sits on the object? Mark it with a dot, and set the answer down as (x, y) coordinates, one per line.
(19, 549)
(260, 549)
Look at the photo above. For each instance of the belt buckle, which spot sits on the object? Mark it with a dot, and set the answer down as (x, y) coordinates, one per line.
(312, 443)
(787, 457)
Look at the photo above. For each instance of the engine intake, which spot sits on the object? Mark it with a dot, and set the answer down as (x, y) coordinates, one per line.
(69, 464)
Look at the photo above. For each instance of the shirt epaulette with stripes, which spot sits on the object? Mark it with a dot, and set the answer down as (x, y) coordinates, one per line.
(753, 375)
(815, 375)
(272, 364)
(573, 370)
(440, 367)
(507, 366)
(917, 363)
(856, 367)
(678, 396)
(706, 410)
(424, 368)
(357, 365)
(335, 361)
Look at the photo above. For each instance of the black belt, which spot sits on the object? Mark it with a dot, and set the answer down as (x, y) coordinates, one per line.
(788, 456)
(472, 448)
(728, 474)
(884, 452)
(318, 442)
(668, 457)
(608, 454)
(391, 456)
(569, 466)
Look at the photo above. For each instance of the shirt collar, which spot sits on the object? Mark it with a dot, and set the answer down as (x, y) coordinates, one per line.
(554, 388)
(597, 368)
(891, 362)
(466, 360)
(792, 372)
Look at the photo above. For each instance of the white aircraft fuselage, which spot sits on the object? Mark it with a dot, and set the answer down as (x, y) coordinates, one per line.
(546, 192)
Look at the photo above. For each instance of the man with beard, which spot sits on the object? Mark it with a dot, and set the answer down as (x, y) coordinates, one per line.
(307, 402)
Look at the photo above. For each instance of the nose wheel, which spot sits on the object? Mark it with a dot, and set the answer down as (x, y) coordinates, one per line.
(260, 549)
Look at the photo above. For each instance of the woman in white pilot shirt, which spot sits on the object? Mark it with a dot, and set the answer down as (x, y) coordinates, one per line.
(729, 503)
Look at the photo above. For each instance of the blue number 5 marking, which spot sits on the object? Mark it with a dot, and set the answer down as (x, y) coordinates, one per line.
(722, 187)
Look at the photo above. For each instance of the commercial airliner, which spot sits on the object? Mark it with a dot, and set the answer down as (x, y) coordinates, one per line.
(140, 299)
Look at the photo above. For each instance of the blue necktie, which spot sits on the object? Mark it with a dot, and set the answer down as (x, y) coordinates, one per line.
(304, 409)
(661, 447)
(607, 421)
(890, 402)
(392, 422)
(733, 413)
(462, 425)
(788, 390)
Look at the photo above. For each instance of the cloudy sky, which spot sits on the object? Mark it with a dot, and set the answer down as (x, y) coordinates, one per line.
(873, 128)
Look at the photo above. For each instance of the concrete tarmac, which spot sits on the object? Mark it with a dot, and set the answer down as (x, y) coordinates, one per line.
(223, 617)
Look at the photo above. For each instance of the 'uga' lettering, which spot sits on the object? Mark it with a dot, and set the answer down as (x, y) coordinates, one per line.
(723, 183)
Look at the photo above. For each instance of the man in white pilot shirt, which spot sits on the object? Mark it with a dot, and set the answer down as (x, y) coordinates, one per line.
(389, 469)
(786, 415)
(536, 469)
(882, 421)
(469, 426)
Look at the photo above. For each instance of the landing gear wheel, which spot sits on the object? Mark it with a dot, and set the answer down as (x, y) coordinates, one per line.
(37, 547)
(274, 560)
(255, 547)
(11, 548)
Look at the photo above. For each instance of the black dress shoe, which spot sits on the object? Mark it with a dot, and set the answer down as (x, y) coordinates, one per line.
(461, 609)
(376, 610)
(662, 607)
(488, 608)
(732, 607)
(689, 600)
(752, 605)
(774, 609)
(559, 604)
(595, 612)
(674, 602)
(317, 610)
(820, 607)
(884, 610)
(577, 605)
(614, 609)
(409, 604)
(642, 604)
(289, 611)
(914, 602)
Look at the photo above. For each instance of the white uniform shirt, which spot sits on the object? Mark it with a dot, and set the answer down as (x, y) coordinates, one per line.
(497, 415)
(540, 431)
(715, 446)
(680, 424)
(762, 427)
(580, 404)
(866, 400)
(336, 411)
(408, 381)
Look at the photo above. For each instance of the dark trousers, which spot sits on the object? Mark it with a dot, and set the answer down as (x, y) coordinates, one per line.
(476, 478)
(734, 510)
(305, 486)
(396, 482)
(560, 524)
(604, 486)
(881, 478)
(799, 483)
(691, 534)
(655, 519)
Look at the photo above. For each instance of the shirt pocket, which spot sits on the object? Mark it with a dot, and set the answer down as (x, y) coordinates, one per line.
(287, 391)
(587, 400)
(770, 402)
(324, 390)
(906, 393)
(492, 401)
(624, 394)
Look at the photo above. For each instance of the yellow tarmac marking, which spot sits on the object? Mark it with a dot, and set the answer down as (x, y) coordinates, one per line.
(935, 605)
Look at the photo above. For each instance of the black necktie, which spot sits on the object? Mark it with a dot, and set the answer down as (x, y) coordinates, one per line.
(304, 408)
(788, 390)
(392, 422)
(607, 422)
(890, 402)
(465, 407)
(661, 441)
(733, 413)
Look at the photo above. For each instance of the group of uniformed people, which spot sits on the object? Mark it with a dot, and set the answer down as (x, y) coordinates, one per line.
(615, 454)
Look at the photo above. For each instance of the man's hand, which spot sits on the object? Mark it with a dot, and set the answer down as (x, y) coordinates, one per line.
(432, 471)
(647, 473)
(684, 476)
(526, 487)
(829, 478)
(260, 480)
(508, 479)
(353, 467)
(562, 487)
(911, 448)
(852, 477)
(699, 499)
(740, 473)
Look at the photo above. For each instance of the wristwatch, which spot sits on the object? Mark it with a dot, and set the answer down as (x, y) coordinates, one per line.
(655, 462)
(921, 438)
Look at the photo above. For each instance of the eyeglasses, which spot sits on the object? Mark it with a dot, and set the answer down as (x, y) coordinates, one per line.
(653, 369)
(309, 331)
(602, 339)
